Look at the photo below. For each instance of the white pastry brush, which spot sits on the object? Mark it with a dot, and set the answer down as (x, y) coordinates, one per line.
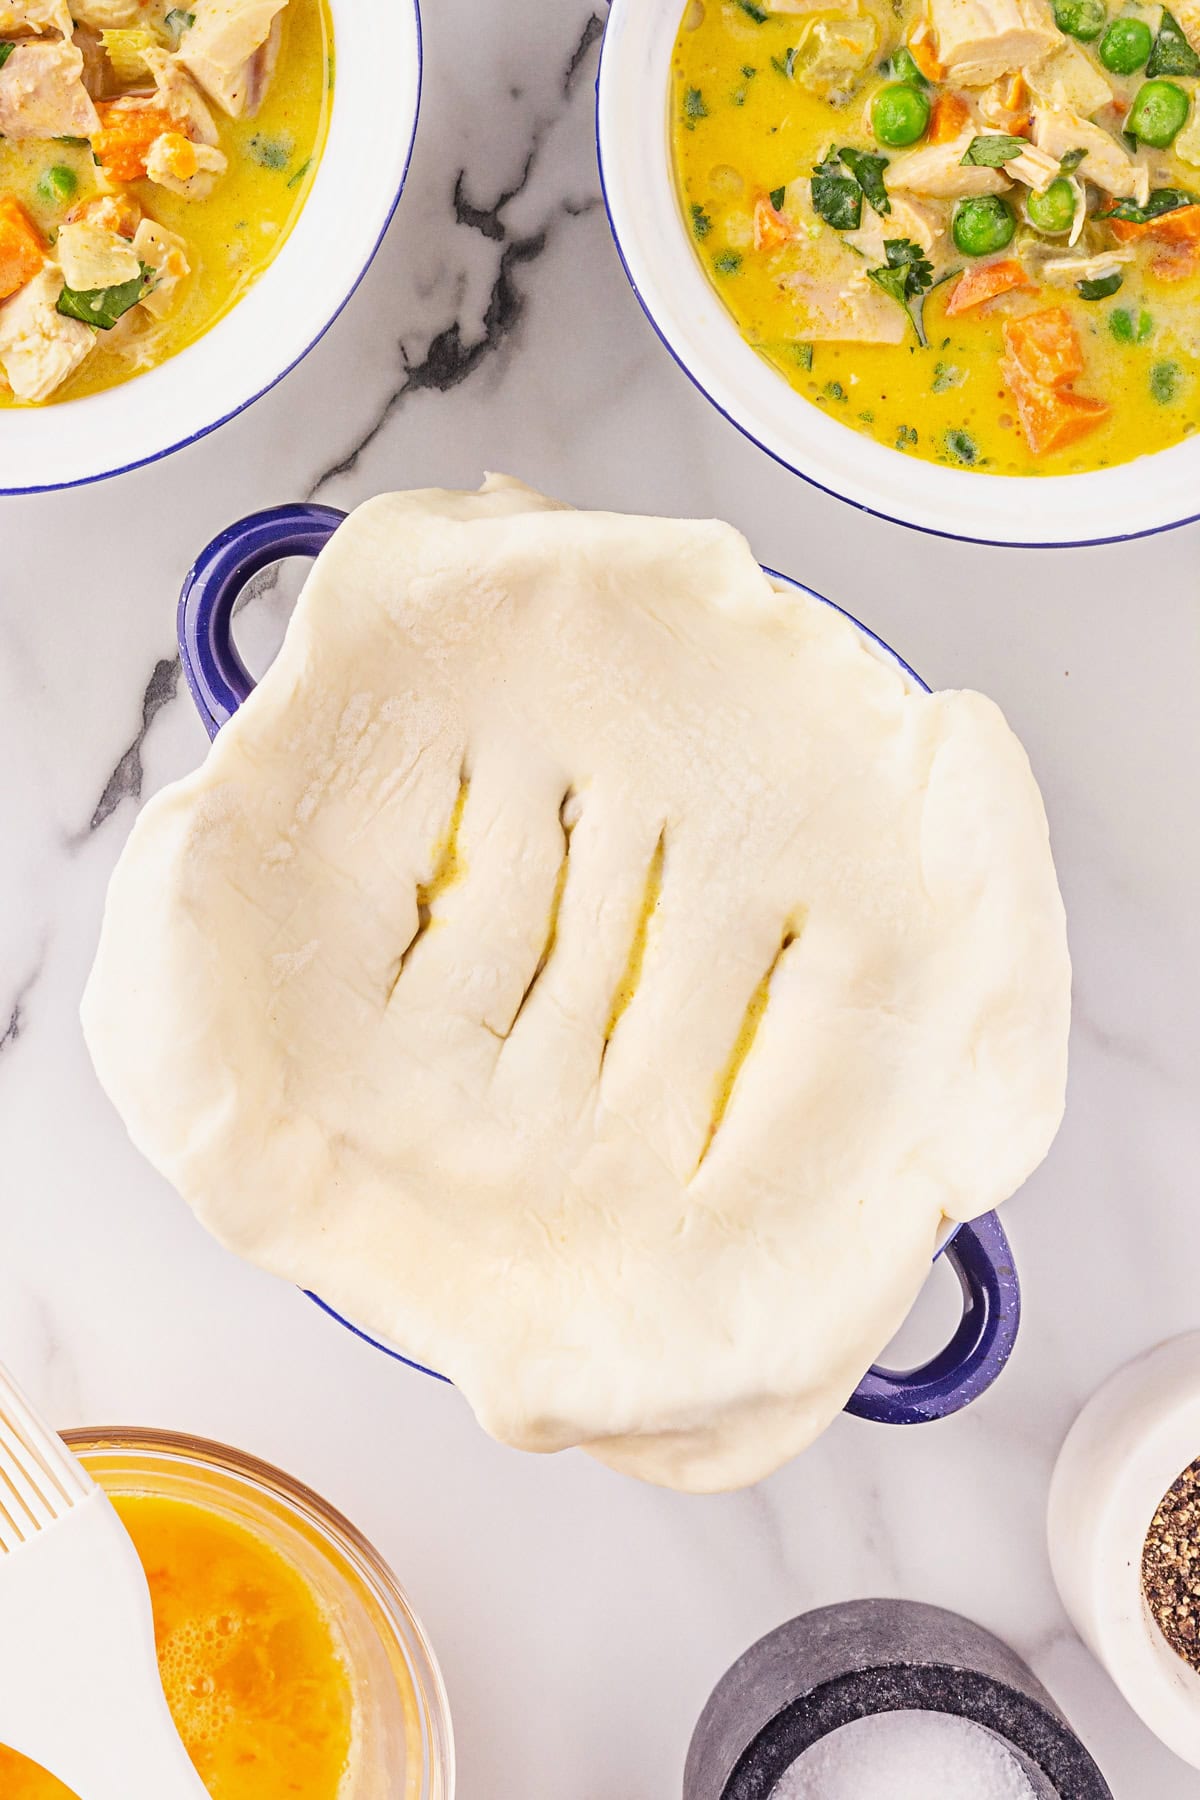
(79, 1684)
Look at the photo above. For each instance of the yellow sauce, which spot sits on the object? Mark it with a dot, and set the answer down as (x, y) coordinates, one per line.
(250, 1663)
(233, 235)
(752, 133)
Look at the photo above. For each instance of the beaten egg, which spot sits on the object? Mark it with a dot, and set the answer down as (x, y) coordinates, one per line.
(251, 1664)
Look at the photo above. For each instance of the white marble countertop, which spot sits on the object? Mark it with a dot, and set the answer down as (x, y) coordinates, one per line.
(580, 1618)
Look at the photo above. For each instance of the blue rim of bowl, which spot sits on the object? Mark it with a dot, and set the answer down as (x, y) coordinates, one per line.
(954, 537)
(145, 462)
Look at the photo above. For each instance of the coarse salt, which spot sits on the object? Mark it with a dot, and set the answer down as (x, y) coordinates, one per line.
(906, 1756)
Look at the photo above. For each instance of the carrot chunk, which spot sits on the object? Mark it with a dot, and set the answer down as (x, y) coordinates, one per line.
(1045, 345)
(985, 283)
(1179, 227)
(1051, 417)
(22, 252)
(771, 229)
(1043, 357)
(948, 118)
(1176, 262)
(923, 54)
(1016, 95)
(127, 130)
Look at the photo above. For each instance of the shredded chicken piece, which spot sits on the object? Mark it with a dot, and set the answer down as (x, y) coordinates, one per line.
(42, 93)
(164, 252)
(980, 40)
(39, 348)
(107, 15)
(1069, 81)
(117, 212)
(924, 226)
(34, 18)
(184, 168)
(851, 311)
(938, 172)
(181, 97)
(1066, 270)
(93, 256)
(223, 50)
(1036, 168)
(1105, 163)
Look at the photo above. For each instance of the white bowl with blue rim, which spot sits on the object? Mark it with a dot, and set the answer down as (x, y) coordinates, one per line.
(288, 308)
(1152, 493)
(219, 682)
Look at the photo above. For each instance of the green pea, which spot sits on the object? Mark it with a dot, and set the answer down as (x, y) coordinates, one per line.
(900, 115)
(1158, 114)
(1125, 46)
(1053, 211)
(1080, 18)
(983, 224)
(58, 185)
(905, 68)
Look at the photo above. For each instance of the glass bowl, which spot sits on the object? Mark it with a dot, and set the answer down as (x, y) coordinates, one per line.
(405, 1745)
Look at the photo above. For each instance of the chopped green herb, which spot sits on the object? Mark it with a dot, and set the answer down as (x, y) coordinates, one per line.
(868, 417)
(1172, 54)
(728, 263)
(102, 307)
(868, 170)
(894, 282)
(1101, 288)
(833, 390)
(1128, 330)
(1071, 161)
(904, 277)
(6, 51)
(330, 70)
(748, 70)
(902, 253)
(272, 153)
(776, 198)
(301, 172)
(76, 143)
(693, 108)
(785, 64)
(701, 223)
(58, 185)
(1162, 200)
(757, 13)
(1166, 379)
(905, 436)
(946, 376)
(836, 198)
(177, 22)
(804, 355)
(962, 447)
(993, 151)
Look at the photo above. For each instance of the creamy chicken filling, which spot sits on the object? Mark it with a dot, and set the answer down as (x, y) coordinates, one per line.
(114, 98)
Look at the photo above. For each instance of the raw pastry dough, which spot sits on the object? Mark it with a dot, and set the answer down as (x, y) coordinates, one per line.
(593, 972)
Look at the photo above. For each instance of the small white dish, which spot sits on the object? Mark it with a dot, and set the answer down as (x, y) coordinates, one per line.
(376, 97)
(1131, 1442)
(1149, 494)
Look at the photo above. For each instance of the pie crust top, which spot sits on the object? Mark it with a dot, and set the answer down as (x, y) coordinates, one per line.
(594, 972)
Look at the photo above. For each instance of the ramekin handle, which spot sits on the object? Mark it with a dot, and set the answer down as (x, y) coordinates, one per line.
(217, 678)
(979, 1349)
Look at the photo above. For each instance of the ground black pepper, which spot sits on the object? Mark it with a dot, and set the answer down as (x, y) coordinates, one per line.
(1171, 1566)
